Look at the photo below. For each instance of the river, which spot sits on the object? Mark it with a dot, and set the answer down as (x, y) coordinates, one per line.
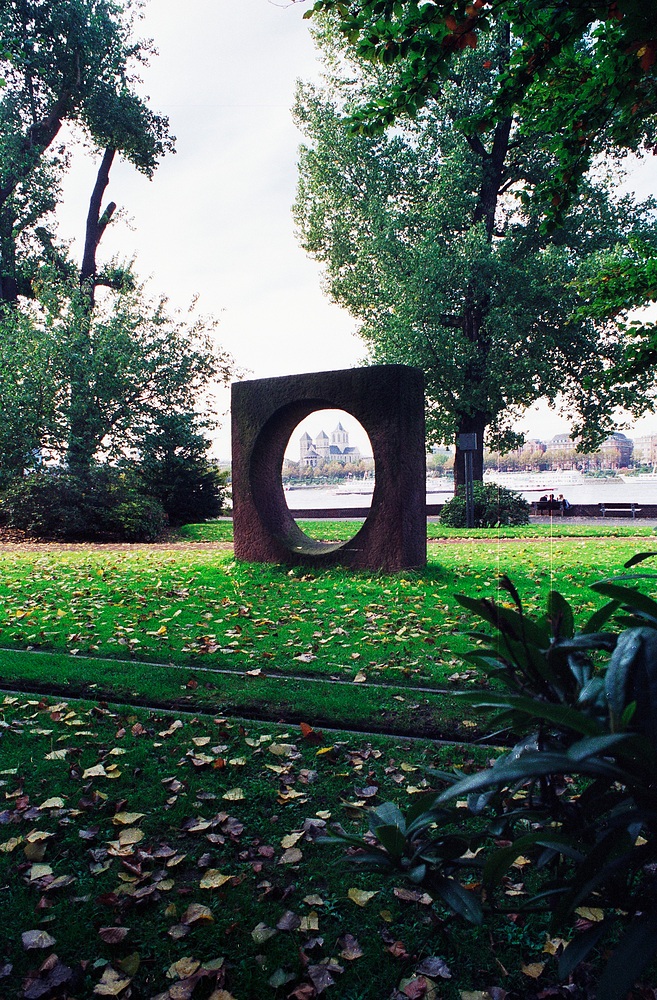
(577, 489)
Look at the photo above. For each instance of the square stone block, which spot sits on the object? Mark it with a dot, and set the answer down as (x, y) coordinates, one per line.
(388, 400)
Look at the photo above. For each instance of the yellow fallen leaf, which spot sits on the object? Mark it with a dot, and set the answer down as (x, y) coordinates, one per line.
(533, 969)
(281, 749)
(310, 922)
(112, 983)
(290, 857)
(360, 896)
(213, 879)
(183, 968)
(126, 818)
(56, 755)
(11, 845)
(386, 915)
(360, 677)
(131, 835)
(200, 741)
(94, 772)
(54, 803)
(39, 871)
(196, 913)
(35, 835)
(291, 839)
(234, 795)
(591, 913)
(313, 900)
(552, 945)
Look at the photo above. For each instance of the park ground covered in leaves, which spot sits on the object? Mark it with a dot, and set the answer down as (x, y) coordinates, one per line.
(177, 857)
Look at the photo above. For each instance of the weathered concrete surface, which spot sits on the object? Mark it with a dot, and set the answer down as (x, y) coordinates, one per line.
(388, 400)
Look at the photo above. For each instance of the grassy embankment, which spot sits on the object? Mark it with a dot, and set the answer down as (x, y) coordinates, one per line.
(193, 627)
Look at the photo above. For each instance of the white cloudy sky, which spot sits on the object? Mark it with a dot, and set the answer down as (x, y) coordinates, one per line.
(215, 220)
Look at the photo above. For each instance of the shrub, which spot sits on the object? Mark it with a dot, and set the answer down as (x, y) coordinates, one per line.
(190, 490)
(493, 505)
(103, 506)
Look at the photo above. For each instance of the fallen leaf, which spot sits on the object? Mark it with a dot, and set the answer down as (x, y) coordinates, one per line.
(213, 879)
(533, 969)
(351, 949)
(291, 857)
(54, 803)
(112, 983)
(196, 913)
(360, 896)
(126, 818)
(290, 921)
(39, 871)
(262, 933)
(113, 935)
(591, 913)
(434, 967)
(37, 939)
(94, 772)
(183, 968)
(234, 795)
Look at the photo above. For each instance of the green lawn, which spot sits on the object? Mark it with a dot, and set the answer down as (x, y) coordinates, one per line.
(222, 531)
(201, 607)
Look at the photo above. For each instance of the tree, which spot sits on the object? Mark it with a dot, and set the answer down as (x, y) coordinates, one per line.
(584, 68)
(73, 62)
(174, 468)
(429, 236)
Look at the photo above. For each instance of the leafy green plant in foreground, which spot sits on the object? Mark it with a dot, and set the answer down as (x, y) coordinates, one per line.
(576, 798)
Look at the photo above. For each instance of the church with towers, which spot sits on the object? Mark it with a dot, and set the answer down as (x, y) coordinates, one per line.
(324, 450)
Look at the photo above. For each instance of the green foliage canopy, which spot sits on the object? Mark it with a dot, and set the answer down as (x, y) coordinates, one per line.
(429, 236)
(585, 68)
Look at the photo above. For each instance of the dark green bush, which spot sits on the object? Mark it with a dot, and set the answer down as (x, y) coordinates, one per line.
(103, 506)
(493, 505)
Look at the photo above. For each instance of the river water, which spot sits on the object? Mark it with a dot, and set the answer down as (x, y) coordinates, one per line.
(575, 489)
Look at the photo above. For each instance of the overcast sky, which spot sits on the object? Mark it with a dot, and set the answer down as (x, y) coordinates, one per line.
(215, 221)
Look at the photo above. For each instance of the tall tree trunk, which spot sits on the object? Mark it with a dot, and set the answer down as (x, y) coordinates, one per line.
(83, 434)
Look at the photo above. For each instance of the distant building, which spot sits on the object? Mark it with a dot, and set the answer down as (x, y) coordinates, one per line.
(324, 450)
(645, 449)
(616, 451)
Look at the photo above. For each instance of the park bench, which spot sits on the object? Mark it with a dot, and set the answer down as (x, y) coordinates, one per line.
(547, 507)
(618, 508)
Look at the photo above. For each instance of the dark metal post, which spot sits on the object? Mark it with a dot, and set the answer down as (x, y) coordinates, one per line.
(467, 443)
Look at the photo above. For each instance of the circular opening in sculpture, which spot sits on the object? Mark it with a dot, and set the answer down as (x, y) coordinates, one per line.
(328, 465)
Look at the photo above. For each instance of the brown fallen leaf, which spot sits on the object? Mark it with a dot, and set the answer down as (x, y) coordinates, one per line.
(351, 949)
(113, 935)
(433, 967)
(290, 921)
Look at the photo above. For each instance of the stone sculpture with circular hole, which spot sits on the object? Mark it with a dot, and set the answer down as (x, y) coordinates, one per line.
(388, 400)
